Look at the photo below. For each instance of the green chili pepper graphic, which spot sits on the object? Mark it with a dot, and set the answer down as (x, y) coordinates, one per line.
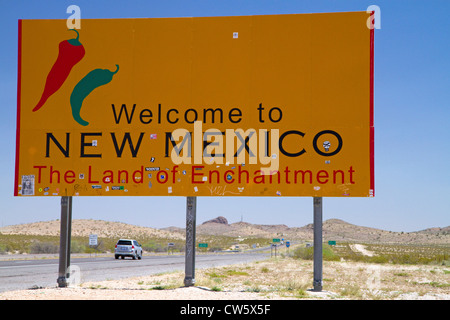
(91, 81)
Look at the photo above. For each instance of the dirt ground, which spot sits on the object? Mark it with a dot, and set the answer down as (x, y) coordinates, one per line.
(272, 279)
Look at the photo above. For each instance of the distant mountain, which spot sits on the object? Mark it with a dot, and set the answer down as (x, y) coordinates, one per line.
(220, 219)
(85, 227)
(437, 231)
(333, 229)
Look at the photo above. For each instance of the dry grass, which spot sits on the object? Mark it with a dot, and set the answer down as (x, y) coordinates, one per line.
(287, 277)
(292, 278)
(275, 278)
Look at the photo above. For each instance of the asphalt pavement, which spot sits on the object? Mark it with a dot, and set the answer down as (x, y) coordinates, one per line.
(36, 272)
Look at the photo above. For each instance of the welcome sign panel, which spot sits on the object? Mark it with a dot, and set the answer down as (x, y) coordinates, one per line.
(217, 106)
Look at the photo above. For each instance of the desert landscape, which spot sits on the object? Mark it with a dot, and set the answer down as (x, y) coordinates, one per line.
(333, 229)
(365, 264)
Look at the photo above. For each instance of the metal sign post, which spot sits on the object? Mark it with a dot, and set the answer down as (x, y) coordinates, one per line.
(64, 241)
(170, 245)
(191, 210)
(317, 282)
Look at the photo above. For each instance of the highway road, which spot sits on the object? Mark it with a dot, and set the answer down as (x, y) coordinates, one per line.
(26, 274)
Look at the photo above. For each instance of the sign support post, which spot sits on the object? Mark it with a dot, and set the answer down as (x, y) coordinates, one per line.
(64, 241)
(191, 211)
(318, 256)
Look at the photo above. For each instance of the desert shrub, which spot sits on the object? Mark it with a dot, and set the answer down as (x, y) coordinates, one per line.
(44, 247)
(3, 248)
(80, 246)
(236, 273)
(377, 259)
(329, 254)
(77, 247)
(395, 254)
(307, 253)
(153, 246)
(214, 249)
(415, 259)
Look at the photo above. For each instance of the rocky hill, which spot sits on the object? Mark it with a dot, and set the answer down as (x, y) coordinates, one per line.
(333, 229)
(85, 227)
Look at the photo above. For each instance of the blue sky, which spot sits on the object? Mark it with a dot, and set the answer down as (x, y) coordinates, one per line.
(412, 111)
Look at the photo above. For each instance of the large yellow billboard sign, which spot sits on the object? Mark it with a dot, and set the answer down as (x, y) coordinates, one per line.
(218, 106)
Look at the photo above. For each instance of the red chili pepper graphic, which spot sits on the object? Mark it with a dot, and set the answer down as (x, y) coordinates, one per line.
(70, 53)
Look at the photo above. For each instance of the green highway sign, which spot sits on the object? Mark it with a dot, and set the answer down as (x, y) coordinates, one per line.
(276, 240)
(203, 245)
(332, 243)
